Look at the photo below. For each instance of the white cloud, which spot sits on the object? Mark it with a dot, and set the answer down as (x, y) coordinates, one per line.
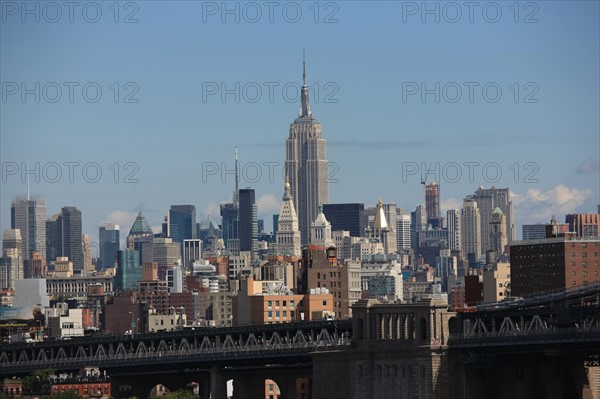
(450, 203)
(588, 166)
(537, 206)
(268, 205)
(124, 219)
(212, 210)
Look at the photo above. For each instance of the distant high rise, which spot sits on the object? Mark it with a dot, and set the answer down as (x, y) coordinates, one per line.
(306, 164)
(534, 231)
(192, 251)
(584, 225)
(432, 203)
(35, 266)
(139, 233)
(498, 240)
(248, 221)
(28, 214)
(12, 239)
(418, 223)
(64, 237)
(349, 217)
(470, 224)
(402, 229)
(88, 264)
(487, 200)
(182, 223)
(229, 216)
(109, 236)
(454, 229)
(129, 270)
(288, 232)
(11, 262)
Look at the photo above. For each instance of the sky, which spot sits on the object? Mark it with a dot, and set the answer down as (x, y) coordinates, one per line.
(120, 107)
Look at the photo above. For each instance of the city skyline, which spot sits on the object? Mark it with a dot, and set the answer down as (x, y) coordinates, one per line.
(369, 122)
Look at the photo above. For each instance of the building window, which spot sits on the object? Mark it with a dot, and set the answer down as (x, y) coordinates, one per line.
(324, 303)
(584, 254)
(269, 314)
(269, 303)
(292, 303)
(277, 314)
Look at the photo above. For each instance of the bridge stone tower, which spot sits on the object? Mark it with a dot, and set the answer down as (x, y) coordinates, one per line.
(398, 351)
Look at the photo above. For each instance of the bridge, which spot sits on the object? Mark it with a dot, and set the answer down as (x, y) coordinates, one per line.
(206, 355)
(546, 346)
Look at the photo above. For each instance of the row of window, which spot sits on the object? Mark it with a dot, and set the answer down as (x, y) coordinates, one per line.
(283, 304)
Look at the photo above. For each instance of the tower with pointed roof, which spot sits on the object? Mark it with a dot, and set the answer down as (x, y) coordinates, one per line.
(320, 230)
(381, 231)
(288, 234)
(306, 164)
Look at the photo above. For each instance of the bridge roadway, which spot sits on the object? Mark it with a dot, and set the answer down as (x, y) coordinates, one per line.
(205, 347)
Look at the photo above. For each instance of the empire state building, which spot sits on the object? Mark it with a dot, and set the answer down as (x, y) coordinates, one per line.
(306, 164)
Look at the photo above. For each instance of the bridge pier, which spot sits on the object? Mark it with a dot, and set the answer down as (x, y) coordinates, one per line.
(218, 383)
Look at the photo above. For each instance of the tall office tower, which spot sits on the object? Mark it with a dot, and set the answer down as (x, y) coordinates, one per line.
(129, 270)
(498, 239)
(418, 223)
(164, 252)
(11, 268)
(320, 231)
(288, 233)
(28, 214)
(109, 236)
(402, 229)
(229, 215)
(391, 214)
(349, 217)
(487, 200)
(12, 239)
(182, 223)
(11, 263)
(432, 204)
(454, 235)
(470, 223)
(64, 237)
(306, 164)
(139, 233)
(52, 237)
(86, 246)
(192, 251)
(248, 219)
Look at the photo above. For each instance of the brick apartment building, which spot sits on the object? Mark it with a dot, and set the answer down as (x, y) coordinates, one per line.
(555, 263)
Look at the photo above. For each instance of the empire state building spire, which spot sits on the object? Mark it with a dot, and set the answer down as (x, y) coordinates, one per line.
(304, 101)
(306, 164)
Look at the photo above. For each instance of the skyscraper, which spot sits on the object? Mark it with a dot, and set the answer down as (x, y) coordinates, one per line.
(306, 164)
(248, 218)
(402, 229)
(498, 240)
(487, 200)
(470, 229)
(182, 223)
(350, 217)
(65, 236)
(288, 233)
(28, 214)
(109, 245)
(454, 235)
(229, 216)
(432, 204)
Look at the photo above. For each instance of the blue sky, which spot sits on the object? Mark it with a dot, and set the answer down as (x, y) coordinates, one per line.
(362, 66)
